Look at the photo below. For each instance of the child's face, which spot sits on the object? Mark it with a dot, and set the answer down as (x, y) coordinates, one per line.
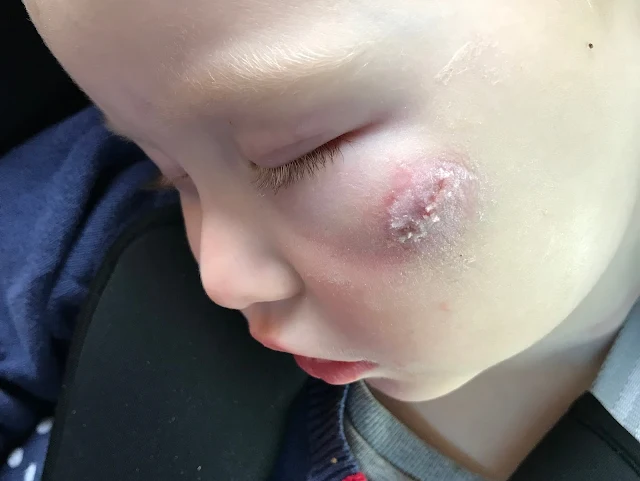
(484, 162)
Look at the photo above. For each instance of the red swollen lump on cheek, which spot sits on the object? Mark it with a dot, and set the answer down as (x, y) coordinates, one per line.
(429, 205)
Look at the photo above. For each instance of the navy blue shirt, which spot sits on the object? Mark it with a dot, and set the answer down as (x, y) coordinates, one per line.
(64, 197)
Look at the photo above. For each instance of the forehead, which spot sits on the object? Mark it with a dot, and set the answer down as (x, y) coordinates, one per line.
(207, 48)
(172, 60)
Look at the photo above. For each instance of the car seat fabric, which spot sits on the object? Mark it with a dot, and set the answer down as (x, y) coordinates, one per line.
(162, 383)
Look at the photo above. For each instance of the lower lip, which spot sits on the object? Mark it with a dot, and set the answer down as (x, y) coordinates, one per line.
(334, 372)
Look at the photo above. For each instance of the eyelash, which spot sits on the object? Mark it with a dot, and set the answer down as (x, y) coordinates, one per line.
(162, 183)
(275, 178)
(283, 176)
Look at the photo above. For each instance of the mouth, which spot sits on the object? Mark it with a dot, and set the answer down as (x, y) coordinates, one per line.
(334, 372)
(331, 372)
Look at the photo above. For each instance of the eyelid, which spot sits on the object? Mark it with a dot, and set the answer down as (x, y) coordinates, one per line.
(283, 155)
(285, 175)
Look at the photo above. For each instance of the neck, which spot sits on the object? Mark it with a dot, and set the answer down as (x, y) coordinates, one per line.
(490, 424)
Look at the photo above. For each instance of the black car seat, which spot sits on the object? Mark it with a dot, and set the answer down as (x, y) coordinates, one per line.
(161, 383)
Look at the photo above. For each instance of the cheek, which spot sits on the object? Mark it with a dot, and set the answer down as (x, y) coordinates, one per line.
(401, 323)
(386, 246)
(405, 212)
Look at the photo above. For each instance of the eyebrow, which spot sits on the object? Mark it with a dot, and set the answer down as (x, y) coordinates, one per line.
(269, 69)
(252, 72)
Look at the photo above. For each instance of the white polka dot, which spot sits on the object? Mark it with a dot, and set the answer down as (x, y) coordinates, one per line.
(45, 426)
(15, 458)
(30, 472)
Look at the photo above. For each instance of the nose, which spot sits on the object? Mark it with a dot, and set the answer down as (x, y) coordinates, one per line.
(239, 268)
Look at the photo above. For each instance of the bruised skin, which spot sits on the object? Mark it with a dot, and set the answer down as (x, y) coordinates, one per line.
(429, 207)
(417, 210)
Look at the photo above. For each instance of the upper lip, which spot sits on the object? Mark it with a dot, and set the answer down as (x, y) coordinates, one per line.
(265, 331)
(276, 346)
(271, 341)
(273, 345)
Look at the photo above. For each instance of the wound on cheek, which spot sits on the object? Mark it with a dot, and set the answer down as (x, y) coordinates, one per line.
(429, 204)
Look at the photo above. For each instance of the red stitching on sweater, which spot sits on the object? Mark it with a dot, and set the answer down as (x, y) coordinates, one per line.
(356, 477)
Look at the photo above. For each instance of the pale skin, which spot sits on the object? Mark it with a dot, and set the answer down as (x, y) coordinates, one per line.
(484, 331)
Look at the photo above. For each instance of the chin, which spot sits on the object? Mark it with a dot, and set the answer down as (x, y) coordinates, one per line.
(418, 390)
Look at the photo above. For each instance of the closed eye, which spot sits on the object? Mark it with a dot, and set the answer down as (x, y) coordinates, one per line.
(275, 178)
(283, 176)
